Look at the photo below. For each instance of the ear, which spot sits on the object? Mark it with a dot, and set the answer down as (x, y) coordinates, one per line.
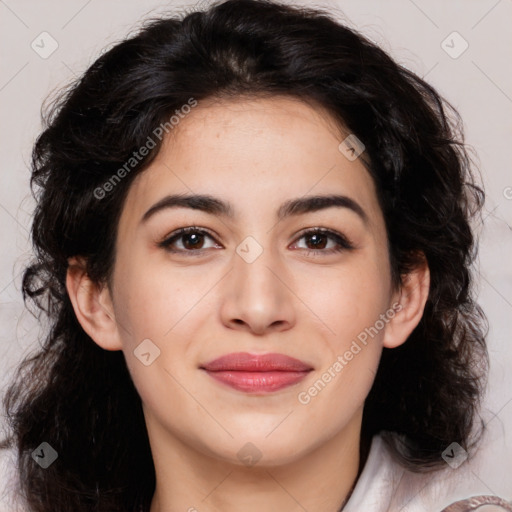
(93, 306)
(408, 303)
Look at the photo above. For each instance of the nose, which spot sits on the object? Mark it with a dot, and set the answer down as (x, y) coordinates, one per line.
(256, 297)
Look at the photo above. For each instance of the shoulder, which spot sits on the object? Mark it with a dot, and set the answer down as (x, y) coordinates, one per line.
(385, 486)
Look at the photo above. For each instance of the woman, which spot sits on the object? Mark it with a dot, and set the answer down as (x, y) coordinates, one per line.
(253, 246)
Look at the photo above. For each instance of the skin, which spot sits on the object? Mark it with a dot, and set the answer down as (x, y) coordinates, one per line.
(255, 154)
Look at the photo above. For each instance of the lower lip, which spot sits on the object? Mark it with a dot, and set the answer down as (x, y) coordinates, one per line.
(258, 381)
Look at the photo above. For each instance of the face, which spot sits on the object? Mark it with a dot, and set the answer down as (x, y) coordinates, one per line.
(256, 275)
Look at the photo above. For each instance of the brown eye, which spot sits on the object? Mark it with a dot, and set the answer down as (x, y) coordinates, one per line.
(324, 241)
(317, 241)
(192, 240)
(188, 240)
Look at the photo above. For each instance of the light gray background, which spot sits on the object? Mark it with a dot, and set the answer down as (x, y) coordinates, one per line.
(478, 83)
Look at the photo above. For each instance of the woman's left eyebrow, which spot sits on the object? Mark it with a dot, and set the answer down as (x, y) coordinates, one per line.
(215, 206)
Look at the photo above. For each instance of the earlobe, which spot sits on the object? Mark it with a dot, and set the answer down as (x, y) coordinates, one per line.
(410, 301)
(92, 305)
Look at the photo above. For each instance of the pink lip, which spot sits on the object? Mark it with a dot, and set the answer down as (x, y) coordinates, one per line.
(257, 373)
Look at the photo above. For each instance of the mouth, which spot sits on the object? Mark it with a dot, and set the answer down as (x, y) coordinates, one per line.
(252, 373)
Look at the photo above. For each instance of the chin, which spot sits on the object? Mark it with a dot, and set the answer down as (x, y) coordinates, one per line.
(263, 451)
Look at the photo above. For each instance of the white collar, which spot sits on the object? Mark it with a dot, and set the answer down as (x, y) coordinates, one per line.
(385, 486)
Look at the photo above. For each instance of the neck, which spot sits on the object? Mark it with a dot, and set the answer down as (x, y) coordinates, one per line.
(322, 480)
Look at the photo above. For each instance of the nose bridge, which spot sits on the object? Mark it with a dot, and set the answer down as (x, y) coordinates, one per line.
(257, 297)
(256, 266)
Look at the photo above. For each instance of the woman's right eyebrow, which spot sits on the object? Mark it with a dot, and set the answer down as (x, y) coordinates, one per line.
(215, 206)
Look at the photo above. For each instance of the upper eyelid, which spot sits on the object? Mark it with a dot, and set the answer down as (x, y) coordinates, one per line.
(333, 234)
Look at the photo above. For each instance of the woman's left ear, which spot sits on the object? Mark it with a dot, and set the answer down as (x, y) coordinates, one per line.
(408, 303)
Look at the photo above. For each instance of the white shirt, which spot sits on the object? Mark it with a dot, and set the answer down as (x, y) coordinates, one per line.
(384, 486)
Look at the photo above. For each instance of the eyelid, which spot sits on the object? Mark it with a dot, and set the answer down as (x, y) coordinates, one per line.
(344, 243)
(177, 233)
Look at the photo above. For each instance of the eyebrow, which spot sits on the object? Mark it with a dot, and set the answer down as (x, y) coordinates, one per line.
(214, 206)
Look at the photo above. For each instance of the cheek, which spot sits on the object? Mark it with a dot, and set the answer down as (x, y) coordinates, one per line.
(351, 352)
(150, 300)
(154, 309)
(348, 300)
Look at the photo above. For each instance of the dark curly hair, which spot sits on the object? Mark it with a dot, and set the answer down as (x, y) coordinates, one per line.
(80, 398)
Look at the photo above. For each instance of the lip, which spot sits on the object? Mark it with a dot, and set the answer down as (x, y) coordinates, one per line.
(252, 373)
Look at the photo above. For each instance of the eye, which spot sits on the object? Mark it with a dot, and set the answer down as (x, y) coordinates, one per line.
(324, 241)
(318, 241)
(189, 239)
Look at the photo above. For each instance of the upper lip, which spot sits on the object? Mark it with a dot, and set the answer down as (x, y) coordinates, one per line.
(243, 361)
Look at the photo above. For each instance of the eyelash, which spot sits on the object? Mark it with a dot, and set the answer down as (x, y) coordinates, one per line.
(344, 244)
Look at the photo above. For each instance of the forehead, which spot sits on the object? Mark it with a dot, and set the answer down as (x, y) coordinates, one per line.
(255, 153)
